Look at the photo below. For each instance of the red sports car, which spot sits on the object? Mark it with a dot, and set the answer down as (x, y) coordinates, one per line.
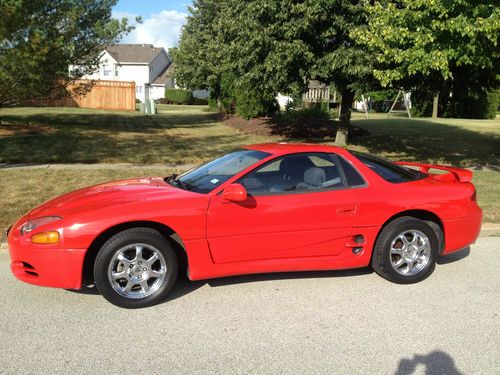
(261, 208)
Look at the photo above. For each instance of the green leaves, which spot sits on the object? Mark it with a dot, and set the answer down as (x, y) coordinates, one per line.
(40, 39)
(422, 37)
(272, 46)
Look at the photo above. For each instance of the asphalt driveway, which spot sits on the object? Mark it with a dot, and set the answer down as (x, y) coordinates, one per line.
(347, 322)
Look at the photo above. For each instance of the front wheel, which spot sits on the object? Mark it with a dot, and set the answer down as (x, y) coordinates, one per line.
(136, 268)
(406, 251)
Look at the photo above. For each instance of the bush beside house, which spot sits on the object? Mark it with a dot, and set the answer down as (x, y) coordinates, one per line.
(179, 96)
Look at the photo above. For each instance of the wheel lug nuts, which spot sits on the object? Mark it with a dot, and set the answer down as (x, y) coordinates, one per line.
(140, 262)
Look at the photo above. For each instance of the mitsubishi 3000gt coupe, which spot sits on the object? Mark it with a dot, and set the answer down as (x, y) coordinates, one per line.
(261, 208)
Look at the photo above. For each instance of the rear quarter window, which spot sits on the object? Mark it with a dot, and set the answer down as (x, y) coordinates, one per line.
(351, 174)
(388, 170)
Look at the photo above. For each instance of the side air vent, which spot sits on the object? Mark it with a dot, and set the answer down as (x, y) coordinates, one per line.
(356, 243)
(29, 269)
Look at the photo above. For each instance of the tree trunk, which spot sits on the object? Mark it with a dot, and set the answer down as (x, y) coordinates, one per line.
(435, 104)
(344, 117)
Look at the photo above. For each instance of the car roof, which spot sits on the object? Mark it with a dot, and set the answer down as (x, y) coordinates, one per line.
(284, 148)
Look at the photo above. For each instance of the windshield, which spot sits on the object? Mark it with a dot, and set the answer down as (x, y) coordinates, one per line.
(206, 177)
(388, 170)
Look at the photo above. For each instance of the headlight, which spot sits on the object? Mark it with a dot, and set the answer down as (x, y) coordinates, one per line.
(35, 223)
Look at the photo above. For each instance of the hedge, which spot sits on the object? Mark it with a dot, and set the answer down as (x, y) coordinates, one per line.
(179, 96)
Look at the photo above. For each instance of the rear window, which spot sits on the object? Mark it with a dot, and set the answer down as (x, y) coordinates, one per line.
(388, 170)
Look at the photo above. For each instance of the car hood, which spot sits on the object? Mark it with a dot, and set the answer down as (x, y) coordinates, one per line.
(105, 195)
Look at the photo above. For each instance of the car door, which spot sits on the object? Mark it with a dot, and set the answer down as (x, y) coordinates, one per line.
(298, 206)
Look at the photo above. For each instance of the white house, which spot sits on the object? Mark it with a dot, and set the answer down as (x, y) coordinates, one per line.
(144, 64)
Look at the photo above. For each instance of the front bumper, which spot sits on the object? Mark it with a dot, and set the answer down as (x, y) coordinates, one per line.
(45, 265)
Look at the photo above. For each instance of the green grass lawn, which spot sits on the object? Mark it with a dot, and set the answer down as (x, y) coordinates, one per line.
(449, 141)
(25, 188)
(177, 134)
(190, 134)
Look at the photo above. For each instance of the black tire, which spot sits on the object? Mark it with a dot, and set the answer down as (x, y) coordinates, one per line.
(382, 256)
(121, 240)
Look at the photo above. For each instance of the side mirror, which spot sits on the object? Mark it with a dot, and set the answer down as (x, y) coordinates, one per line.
(235, 193)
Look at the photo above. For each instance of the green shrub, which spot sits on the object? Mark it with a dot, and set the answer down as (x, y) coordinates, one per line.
(212, 104)
(250, 104)
(474, 104)
(421, 103)
(179, 96)
(322, 106)
(296, 93)
(305, 115)
(489, 105)
(227, 99)
(199, 101)
(380, 100)
(382, 105)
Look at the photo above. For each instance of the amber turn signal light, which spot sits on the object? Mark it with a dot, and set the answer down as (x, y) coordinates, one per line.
(46, 237)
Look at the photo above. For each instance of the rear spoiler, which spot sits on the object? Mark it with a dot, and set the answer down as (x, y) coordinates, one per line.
(454, 174)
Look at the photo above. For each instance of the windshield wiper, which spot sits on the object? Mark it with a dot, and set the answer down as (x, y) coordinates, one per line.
(172, 179)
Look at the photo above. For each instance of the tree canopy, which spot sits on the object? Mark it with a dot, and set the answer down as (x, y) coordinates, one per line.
(266, 47)
(40, 39)
(435, 43)
(248, 51)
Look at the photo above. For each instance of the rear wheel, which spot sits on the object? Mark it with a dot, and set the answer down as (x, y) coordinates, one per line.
(406, 251)
(136, 268)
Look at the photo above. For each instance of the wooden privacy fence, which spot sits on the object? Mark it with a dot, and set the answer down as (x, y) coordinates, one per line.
(115, 95)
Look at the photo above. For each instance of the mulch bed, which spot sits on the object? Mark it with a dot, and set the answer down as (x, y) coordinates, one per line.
(267, 126)
(7, 129)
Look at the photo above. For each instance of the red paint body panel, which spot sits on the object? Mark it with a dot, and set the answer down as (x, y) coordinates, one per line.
(280, 226)
(272, 233)
(45, 265)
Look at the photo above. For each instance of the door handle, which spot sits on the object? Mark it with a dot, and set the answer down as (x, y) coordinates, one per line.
(346, 210)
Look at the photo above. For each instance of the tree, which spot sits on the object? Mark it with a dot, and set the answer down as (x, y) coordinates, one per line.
(272, 46)
(437, 43)
(245, 42)
(199, 57)
(40, 40)
(339, 59)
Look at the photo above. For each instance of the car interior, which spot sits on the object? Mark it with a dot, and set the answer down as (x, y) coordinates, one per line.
(294, 173)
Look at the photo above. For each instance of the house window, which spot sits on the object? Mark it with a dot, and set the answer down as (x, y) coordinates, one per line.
(150, 68)
(106, 72)
(117, 73)
(138, 89)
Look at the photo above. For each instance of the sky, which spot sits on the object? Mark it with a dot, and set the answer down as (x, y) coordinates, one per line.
(162, 20)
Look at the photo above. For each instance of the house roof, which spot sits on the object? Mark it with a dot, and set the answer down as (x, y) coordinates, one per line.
(165, 75)
(134, 53)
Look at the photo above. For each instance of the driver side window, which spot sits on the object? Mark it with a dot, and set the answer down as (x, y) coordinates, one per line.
(295, 173)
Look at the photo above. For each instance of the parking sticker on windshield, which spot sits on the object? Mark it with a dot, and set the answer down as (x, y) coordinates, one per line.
(214, 181)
